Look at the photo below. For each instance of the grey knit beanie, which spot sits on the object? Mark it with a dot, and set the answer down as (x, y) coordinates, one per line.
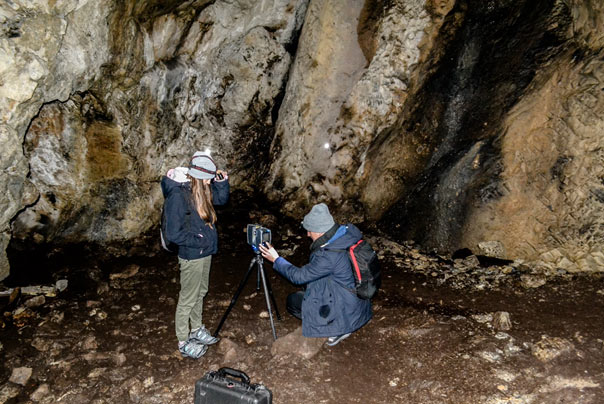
(202, 166)
(318, 220)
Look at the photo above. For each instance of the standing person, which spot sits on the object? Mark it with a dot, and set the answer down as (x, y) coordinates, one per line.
(191, 224)
(329, 307)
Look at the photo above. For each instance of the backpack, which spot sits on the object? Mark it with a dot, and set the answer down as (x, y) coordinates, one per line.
(166, 245)
(365, 268)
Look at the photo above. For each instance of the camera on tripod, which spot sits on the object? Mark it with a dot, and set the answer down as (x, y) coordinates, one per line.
(257, 235)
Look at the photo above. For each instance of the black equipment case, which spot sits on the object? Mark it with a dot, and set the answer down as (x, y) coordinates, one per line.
(223, 387)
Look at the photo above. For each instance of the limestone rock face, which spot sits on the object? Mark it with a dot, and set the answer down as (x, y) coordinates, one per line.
(175, 78)
(348, 85)
(453, 123)
(553, 171)
(463, 125)
(48, 50)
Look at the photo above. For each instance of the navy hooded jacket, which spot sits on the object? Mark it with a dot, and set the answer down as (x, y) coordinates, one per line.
(330, 307)
(184, 226)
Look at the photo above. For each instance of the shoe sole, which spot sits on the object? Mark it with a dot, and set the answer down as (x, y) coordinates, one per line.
(202, 353)
(186, 355)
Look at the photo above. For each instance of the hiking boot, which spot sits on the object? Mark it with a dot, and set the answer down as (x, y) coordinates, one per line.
(331, 341)
(192, 349)
(202, 336)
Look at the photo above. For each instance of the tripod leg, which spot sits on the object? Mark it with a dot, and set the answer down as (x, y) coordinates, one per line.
(270, 292)
(268, 302)
(236, 296)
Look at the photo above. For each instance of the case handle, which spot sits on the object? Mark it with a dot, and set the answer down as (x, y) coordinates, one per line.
(234, 373)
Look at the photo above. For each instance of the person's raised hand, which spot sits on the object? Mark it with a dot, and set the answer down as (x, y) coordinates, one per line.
(221, 175)
(268, 252)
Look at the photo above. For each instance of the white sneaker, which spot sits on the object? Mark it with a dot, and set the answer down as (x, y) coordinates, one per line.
(331, 341)
(192, 349)
(202, 336)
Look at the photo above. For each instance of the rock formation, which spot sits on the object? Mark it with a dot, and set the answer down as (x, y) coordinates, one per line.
(120, 92)
(470, 122)
(454, 123)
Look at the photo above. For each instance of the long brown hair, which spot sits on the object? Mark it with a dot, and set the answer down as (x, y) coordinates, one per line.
(202, 200)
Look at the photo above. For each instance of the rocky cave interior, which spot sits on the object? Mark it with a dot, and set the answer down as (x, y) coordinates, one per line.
(464, 137)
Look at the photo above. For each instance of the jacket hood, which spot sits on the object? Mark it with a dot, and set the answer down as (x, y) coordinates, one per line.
(346, 236)
(168, 186)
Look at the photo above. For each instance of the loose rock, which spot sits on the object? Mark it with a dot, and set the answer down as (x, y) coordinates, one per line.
(21, 375)
(501, 321)
(7, 392)
(41, 344)
(492, 249)
(89, 343)
(231, 351)
(41, 392)
(129, 272)
(549, 348)
(482, 318)
(35, 301)
(119, 359)
(61, 285)
(295, 343)
(97, 372)
(532, 281)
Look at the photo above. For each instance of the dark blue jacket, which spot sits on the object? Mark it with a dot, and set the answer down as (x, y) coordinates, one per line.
(330, 306)
(184, 227)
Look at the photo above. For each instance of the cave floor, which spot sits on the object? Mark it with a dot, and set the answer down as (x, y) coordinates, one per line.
(109, 338)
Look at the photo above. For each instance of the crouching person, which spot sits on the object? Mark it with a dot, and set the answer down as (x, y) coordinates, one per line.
(329, 307)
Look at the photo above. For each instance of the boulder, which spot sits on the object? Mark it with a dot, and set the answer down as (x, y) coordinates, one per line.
(296, 344)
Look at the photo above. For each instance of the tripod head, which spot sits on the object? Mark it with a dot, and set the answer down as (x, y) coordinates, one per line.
(256, 250)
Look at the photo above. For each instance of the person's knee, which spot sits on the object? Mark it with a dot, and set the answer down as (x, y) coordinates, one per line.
(294, 304)
(185, 307)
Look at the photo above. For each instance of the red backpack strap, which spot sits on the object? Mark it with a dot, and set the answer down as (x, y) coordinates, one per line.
(355, 264)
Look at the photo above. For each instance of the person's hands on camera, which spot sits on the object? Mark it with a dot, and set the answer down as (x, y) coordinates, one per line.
(268, 252)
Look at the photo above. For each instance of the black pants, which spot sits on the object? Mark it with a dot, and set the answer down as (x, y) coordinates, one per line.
(294, 304)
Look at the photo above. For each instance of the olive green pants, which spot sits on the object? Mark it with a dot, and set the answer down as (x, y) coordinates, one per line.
(194, 282)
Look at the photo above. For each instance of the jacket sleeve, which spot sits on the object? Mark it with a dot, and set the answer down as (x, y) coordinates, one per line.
(319, 267)
(220, 192)
(177, 229)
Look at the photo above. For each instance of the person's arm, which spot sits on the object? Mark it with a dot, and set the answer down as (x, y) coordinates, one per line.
(221, 189)
(178, 230)
(318, 267)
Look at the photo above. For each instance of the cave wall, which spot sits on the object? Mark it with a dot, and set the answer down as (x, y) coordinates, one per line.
(121, 92)
(44, 56)
(455, 123)
(445, 135)
(523, 170)
(352, 76)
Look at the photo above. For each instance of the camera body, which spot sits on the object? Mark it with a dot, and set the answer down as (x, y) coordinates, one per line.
(257, 235)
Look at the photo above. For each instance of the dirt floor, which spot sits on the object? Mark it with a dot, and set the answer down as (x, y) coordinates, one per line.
(437, 335)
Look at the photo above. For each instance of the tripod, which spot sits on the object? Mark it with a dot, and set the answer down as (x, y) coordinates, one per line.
(267, 292)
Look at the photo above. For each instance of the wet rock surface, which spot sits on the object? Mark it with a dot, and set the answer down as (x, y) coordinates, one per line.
(443, 331)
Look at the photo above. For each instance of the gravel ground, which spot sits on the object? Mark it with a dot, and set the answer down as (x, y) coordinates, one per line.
(468, 330)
